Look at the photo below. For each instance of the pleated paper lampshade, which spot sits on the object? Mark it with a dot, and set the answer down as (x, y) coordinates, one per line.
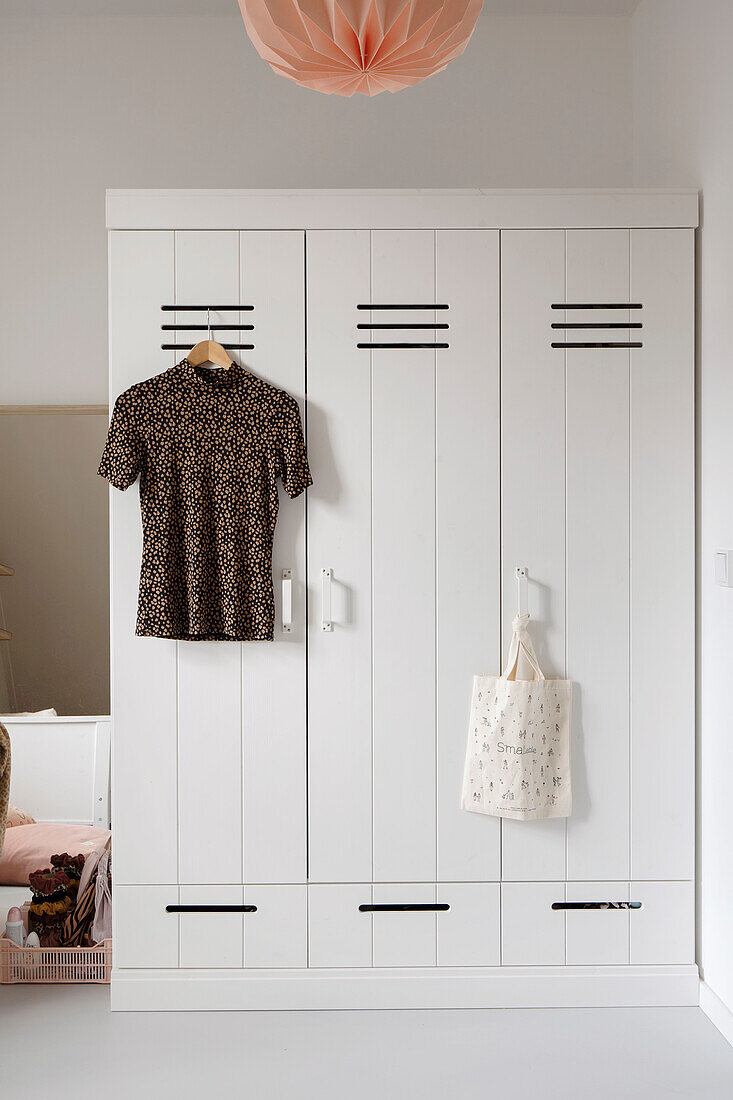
(368, 46)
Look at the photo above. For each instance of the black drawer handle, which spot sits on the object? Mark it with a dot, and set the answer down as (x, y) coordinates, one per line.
(596, 905)
(211, 908)
(407, 907)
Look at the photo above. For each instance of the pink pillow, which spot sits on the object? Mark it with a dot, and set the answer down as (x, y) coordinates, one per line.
(18, 817)
(29, 848)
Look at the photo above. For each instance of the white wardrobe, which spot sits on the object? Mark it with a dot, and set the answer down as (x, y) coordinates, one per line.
(493, 380)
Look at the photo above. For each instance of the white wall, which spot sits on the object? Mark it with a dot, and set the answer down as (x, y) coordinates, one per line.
(96, 102)
(683, 106)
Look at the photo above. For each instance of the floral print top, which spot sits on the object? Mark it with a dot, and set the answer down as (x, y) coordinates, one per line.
(208, 446)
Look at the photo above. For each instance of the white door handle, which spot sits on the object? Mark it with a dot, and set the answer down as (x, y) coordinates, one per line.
(287, 601)
(326, 623)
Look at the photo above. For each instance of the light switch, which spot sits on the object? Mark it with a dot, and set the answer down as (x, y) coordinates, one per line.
(722, 569)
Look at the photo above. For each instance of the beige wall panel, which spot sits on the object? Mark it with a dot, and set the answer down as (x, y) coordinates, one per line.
(54, 533)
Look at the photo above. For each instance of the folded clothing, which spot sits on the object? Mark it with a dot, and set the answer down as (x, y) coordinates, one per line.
(91, 920)
(30, 847)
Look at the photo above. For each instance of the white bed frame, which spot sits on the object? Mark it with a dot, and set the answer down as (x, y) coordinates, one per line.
(59, 772)
(60, 768)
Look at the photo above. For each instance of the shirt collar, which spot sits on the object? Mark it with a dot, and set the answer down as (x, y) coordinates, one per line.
(214, 378)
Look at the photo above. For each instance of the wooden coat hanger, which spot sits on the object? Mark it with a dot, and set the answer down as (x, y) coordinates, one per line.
(209, 351)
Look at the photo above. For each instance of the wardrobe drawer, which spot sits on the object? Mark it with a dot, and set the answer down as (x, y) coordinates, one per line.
(533, 933)
(210, 940)
(663, 930)
(404, 925)
(210, 927)
(597, 937)
(404, 936)
(469, 933)
(459, 927)
(339, 934)
(144, 935)
(276, 935)
(364, 925)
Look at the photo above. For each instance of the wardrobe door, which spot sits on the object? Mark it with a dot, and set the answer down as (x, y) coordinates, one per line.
(404, 436)
(597, 468)
(209, 737)
(208, 704)
(144, 672)
(533, 491)
(597, 553)
(663, 556)
(468, 566)
(339, 539)
(403, 561)
(273, 673)
(241, 706)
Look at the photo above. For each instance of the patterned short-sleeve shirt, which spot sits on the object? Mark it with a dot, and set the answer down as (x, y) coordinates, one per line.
(209, 446)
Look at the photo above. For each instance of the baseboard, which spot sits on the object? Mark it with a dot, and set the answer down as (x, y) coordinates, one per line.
(490, 987)
(716, 1011)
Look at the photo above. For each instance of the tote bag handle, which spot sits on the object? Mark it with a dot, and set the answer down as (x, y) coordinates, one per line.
(521, 642)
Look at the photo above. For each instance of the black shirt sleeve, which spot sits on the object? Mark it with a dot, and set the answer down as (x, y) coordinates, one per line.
(122, 456)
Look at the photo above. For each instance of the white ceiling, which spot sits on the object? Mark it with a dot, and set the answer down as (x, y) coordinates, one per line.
(222, 7)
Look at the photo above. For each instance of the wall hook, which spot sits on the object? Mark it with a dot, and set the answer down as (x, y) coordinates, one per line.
(522, 604)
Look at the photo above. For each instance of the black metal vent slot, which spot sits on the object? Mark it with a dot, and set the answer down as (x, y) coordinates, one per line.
(411, 305)
(206, 309)
(407, 326)
(596, 324)
(187, 347)
(199, 327)
(596, 905)
(407, 907)
(596, 305)
(211, 908)
(403, 345)
(598, 344)
(207, 328)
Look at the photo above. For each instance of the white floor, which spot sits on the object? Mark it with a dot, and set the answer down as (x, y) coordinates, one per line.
(63, 1042)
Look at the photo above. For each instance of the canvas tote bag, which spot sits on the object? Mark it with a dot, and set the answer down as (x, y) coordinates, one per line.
(518, 754)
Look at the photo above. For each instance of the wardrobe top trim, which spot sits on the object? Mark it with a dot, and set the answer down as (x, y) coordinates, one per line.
(464, 209)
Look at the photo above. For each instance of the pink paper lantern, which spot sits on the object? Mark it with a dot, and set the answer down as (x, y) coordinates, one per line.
(366, 46)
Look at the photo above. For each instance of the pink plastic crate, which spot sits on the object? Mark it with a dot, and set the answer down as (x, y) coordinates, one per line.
(55, 964)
